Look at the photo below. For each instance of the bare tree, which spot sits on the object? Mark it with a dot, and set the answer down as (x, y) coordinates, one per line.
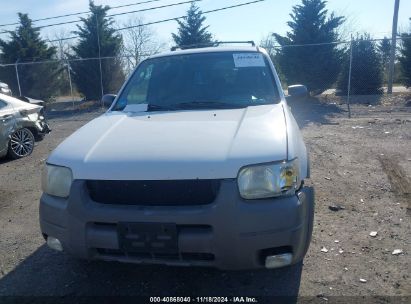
(139, 42)
(268, 42)
(350, 26)
(63, 45)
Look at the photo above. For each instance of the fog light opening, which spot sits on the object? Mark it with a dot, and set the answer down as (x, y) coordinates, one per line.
(278, 260)
(54, 243)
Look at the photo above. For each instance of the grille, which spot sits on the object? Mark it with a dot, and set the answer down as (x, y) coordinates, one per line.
(154, 193)
(189, 256)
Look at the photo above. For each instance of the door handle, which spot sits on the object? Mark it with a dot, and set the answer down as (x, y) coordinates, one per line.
(6, 117)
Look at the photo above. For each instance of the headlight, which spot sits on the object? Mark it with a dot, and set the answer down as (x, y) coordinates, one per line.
(56, 180)
(269, 180)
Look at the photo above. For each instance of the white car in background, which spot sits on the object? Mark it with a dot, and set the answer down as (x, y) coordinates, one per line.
(21, 124)
(4, 89)
(38, 102)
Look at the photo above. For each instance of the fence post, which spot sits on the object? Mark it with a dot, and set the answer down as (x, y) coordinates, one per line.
(99, 59)
(349, 81)
(71, 86)
(17, 75)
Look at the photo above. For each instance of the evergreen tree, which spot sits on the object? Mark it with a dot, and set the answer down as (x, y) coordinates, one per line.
(191, 30)
(25, 45)
(97, 30)
(366, 69)
(405, 59)
(384, 48)
(315, 66)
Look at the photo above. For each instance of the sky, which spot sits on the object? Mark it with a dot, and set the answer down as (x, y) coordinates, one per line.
(251, 22)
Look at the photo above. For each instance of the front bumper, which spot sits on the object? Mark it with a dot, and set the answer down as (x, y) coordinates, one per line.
(231, 233)
(42, 126)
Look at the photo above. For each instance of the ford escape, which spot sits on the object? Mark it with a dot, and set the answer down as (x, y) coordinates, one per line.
(197, 162)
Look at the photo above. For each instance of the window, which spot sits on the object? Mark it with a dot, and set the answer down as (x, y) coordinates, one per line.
(2, 104)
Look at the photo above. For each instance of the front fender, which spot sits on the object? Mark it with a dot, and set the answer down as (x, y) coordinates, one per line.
(295, 144)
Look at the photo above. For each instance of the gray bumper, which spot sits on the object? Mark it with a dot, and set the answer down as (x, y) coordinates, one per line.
(42, 127)
(235, 232)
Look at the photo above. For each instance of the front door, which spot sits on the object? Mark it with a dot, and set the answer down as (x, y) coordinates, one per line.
(7, 123)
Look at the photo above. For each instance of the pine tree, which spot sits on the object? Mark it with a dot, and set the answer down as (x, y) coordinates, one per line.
(405, 59)
(25, 45)
(315, 66)
(366, 69)
(384, 48)
(97, 30)
(191, 30)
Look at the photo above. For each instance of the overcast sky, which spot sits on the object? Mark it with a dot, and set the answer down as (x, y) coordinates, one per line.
(244, 23)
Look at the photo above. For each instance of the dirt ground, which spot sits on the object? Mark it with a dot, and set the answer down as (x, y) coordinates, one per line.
(360, 168)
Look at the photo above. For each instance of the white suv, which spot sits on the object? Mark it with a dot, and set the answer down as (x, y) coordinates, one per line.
(198, 161)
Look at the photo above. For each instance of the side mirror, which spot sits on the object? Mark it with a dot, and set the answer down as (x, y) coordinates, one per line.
(298, 91)
(108, 99)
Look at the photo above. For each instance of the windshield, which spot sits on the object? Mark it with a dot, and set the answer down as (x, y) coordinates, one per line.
(209, 80)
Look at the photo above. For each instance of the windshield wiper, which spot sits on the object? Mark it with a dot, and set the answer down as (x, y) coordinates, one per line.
(194, 105)
(208, 104)
(156, 107)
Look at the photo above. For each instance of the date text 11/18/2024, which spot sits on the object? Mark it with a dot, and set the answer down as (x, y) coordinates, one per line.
(203, 300)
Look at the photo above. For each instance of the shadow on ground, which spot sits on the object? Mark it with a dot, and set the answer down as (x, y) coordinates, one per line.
(312, 110)
(5, 159)
(46, 272)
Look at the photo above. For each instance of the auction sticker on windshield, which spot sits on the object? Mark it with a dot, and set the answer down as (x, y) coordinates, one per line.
(242, 60)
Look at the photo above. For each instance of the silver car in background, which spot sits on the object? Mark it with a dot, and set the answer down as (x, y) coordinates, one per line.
(5, 89)
(21, 124)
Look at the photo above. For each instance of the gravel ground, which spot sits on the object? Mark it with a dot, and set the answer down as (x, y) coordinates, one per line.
(361, 167)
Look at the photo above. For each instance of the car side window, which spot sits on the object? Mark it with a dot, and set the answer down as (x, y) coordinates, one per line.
(2, 104)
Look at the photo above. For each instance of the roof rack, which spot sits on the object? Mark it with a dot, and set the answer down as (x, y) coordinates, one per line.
(210, 44)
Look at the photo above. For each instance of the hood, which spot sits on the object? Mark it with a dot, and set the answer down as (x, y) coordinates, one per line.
(203, 144)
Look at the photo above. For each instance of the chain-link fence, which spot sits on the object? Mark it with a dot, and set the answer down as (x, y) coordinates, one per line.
(353, 71)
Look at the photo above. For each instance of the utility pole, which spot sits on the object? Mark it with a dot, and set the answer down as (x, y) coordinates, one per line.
(393, 46)
(349, 81)
(71, 85)
(99, 59)
(17, 75)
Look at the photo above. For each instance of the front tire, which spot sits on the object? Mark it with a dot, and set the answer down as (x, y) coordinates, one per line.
(21, 143)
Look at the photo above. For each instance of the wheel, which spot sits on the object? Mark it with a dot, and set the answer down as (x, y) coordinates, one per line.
(21, 143)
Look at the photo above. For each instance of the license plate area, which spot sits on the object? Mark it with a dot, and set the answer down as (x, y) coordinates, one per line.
(152, 238)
